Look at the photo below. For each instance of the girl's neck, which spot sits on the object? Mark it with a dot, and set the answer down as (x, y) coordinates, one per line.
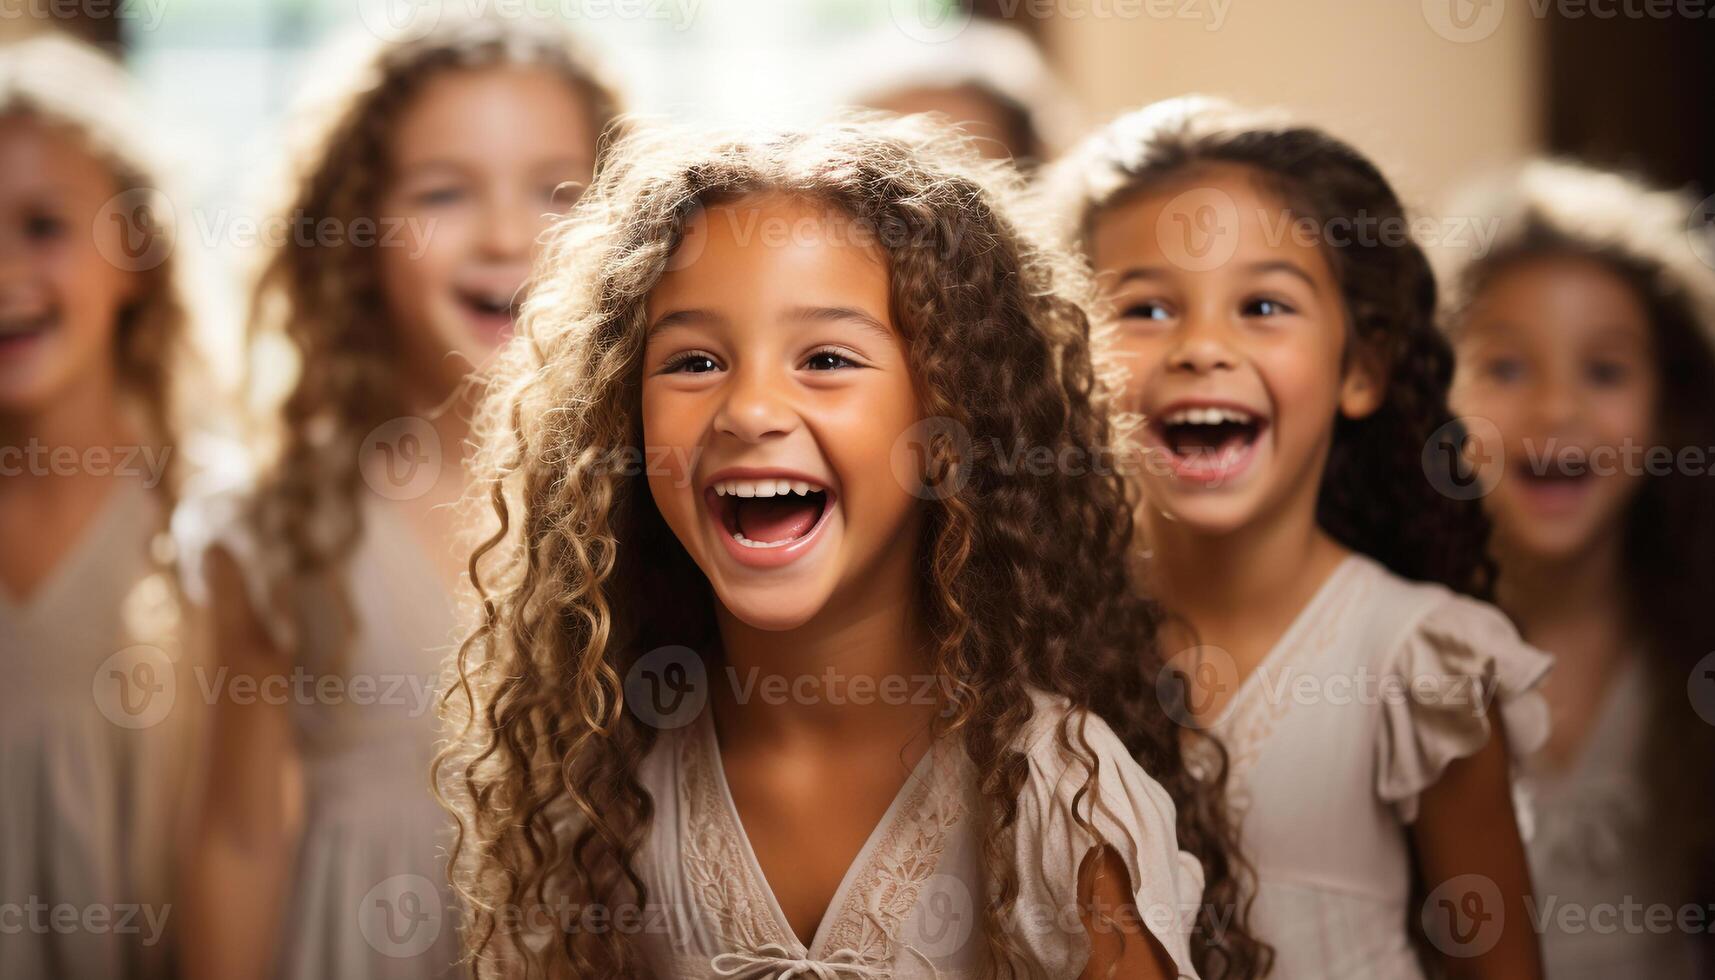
(1572, 606)
(1218, 578)
(858, 671)
(88, 417)
(449, 412)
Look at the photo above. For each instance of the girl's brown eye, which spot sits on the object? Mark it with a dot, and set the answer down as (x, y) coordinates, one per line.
(1265, 306)
(43, 227)
(828, 360)
(1145, 311)
(690, 364)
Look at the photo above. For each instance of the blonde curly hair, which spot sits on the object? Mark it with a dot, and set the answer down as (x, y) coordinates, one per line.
(1025, 579)
(323, 305)
(72, 86)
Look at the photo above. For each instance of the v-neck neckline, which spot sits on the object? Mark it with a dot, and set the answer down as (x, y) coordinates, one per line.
(1625, 685)
(859, 863)
(24, 609)
(1285, 644)
(377, 512)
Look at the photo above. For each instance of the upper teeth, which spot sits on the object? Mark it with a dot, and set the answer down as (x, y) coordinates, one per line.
(1208, 416)
(763, 488)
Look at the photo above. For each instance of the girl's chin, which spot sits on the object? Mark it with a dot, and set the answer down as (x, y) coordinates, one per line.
(773, 611)
(1552, 544)
(1206, 513)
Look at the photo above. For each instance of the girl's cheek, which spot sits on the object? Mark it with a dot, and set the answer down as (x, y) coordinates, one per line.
(1143, 357)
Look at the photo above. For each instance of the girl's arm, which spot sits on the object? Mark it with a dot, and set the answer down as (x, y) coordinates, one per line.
(1466, 826)
(236, 867)
(1120, 944)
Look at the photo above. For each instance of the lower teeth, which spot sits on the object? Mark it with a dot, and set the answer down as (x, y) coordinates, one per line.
(741, 539)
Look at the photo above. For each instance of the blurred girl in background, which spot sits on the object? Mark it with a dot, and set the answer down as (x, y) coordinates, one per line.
(1586, 341)
(990, 81)
(1285, 370)
(93, 352)
(421, 186)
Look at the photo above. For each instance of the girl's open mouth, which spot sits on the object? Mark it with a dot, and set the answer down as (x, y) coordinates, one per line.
(493, 312)
(18, 331)
(1208, 442)
(768, 513)
(1559, 485)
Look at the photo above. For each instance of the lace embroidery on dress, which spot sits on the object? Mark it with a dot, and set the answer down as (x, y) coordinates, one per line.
(884, 892)
(1255, 715)
(741, 915)
(888, 887)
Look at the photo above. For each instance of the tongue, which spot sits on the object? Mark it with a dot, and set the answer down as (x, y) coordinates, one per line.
(770, 519)
(1210, 439)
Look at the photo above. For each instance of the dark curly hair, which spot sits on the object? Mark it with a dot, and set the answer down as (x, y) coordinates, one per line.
(1549, 210)
(1024, 577)
(1376, 497)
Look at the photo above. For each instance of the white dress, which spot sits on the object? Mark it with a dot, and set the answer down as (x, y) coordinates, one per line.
(1594, 851)
(95, 722)
(370, 897)
(1360, 706)
(909, 905)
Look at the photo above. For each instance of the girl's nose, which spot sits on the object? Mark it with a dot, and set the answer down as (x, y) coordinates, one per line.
(756, 406)
(1555, 403)
(1200, 346)
(510, 227)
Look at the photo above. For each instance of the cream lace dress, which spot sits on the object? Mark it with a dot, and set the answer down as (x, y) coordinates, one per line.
(1595, 851)
(1361, 705)
(370, 898)
(97, 713)
(908, 907)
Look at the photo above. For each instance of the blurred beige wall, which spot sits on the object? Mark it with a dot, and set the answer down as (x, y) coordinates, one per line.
(1435, 90)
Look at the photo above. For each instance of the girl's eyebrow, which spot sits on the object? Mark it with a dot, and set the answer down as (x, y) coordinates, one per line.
(1141, 272)
(802, 314)
(419, 167)
(1281, 265)
(824, 314)
(674, 318)
(563, 163)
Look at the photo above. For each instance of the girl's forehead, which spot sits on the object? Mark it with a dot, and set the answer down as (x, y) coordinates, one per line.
(40, 155)
(462, 111)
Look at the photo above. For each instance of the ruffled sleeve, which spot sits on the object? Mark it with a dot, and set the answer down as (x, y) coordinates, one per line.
(1130, 811)
(213, 513)
(1462, 657)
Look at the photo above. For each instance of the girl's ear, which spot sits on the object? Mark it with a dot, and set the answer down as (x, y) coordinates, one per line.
(1364, 385)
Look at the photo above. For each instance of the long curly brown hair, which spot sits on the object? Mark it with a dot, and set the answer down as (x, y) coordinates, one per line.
(320, 307)
(72, 86)
(1562, 210)
(1376, 495)
(1025, 580)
